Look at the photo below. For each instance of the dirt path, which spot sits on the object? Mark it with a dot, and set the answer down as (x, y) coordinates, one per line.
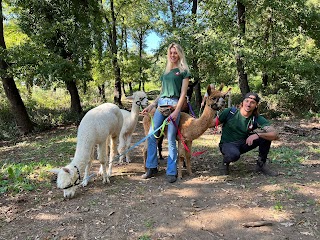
(202, 206)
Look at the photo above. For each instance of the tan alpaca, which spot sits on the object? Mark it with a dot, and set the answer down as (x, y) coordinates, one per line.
(192, 128)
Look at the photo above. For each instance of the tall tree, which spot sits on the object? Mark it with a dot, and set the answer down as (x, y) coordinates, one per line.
(63, 29)
(242, 75)
(18, 108)
(112, 24)
(195, 56)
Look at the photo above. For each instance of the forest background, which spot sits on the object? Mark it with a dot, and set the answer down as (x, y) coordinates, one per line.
(58, 59)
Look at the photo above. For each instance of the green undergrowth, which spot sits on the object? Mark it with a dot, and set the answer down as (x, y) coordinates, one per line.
(25, 166)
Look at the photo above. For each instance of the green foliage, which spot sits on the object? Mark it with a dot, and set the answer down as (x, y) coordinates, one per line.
(287, 157)
(20, 177)
(47, 108)
(51, 42)
(278, 206)
(145, 237)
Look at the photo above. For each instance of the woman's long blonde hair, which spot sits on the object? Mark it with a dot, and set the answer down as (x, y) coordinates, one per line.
(182, 63)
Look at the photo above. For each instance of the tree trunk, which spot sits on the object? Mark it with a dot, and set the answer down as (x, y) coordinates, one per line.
(75, 99)
(114, 50)
(265, 76)
(194, 61)
(102, 93)
(173, 15)
(130, 88)
(25, 125)
(140, 58)
(242, 75)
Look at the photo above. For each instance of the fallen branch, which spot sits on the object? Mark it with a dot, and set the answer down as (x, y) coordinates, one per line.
(257, 224)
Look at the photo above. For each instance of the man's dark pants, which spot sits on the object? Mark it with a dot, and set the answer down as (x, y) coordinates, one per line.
(232, 151)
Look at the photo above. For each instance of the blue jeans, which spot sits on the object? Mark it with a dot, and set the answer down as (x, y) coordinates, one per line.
(158, 118)
(232, 151)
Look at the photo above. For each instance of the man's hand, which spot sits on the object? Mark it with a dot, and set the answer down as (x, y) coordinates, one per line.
(251, 138)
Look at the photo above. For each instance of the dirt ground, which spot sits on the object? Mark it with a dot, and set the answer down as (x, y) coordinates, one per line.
(202, 206)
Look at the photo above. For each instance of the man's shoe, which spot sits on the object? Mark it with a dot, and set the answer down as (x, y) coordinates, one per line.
(261, 167)
(224, 169)
(171, 178)
(150, 173)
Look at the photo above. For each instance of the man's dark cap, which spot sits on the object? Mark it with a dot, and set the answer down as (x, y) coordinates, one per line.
(252, 96)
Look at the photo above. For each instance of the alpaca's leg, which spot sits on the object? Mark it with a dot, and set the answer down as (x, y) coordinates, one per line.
(180, 162)
(160, 141)
(87, 169)
(103, 160)
(145, 147)
(113, 153)
(128, 160)
(122, 147)
(188, 158)
(180, 159)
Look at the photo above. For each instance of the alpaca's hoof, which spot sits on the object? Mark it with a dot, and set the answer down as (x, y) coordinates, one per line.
(128, 160)
(106, 180)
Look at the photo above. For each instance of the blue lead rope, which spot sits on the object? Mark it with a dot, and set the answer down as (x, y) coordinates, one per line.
(141, 141)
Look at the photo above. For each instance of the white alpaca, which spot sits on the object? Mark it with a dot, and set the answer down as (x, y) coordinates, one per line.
(130, 120)
(100, 125)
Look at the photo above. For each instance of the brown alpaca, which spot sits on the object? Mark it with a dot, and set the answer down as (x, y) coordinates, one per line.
(192, 128)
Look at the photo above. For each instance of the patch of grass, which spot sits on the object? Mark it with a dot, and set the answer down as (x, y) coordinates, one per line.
(21, 177)
(145, 237)
(287, 157)
(149, 223)
(287, 193)
(278, 206)
(28, 168)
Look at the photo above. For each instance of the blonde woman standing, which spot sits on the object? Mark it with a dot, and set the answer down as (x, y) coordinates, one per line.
(174, 85)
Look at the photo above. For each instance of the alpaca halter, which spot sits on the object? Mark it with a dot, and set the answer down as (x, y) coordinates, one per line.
(139, 102)
(214, 105)
(77, 182)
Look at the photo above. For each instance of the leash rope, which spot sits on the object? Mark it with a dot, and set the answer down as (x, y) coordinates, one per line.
(139, 142)
(183, 142)
(190, 108)
(163, 126)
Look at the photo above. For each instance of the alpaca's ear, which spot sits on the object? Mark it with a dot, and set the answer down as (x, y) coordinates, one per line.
(130, 97)
(54, 170)
(209, 90)
(221, 87)
(67, 170)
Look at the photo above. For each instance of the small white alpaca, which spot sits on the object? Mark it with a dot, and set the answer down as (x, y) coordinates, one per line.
(101, 125)
(130, 119)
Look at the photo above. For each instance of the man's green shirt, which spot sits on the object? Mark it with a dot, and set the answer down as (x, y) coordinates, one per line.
(238, 127)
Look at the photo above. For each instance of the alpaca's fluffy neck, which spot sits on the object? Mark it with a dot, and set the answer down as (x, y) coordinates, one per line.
(82, 156)
(198, 126)
(135, 109)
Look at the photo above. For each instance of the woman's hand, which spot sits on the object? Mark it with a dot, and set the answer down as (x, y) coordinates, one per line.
(174, 115)
(147, 109)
